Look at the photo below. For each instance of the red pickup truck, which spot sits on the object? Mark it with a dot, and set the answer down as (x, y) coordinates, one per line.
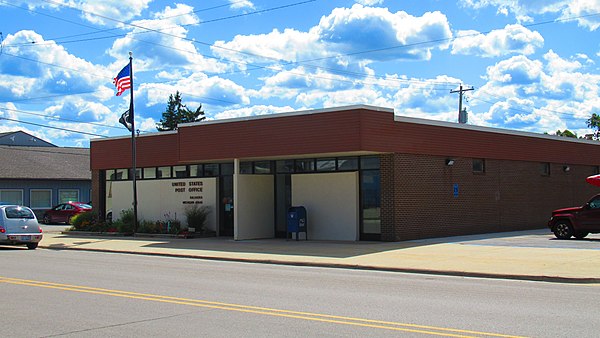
(576, 221)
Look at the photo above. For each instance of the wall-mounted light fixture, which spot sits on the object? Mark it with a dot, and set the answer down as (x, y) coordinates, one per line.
(566, 168)
(449, 161)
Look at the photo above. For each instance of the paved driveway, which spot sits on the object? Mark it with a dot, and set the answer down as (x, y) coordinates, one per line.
(530, 239)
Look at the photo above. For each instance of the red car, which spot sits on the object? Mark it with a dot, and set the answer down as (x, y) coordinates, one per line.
(63, 212)
(576, 221)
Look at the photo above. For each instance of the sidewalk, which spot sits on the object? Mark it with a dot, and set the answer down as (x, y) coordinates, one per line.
(527, 255)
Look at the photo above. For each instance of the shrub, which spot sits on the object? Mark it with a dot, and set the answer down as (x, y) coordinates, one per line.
(196, 216)
(125, 223)
(149, 227)
(83, 221)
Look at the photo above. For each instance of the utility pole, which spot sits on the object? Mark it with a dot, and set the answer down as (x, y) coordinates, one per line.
(460, 92)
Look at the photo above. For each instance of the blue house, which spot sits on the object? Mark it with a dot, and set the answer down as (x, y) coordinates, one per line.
(38, 174)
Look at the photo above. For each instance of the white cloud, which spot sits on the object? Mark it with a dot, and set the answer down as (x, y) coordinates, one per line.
(369, 2)
(100, 12)
(250, 111)
(525, 9)
(511, 39)
(516, 70)
(25, 69)
(163, 41)
(538, 96)
(241, 4)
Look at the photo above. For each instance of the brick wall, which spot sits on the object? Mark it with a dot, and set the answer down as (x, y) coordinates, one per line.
(419, 201)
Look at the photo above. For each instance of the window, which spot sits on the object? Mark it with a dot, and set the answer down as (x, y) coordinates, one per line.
(326, 164)
(285, 166)
(227, 169)
(262, 167)
(348, 163)
(180, 171)
(478, 165)
(545, 169)
(40, 198)
(11, 196)
(305, 165)
(121, 174)
(110, 175)
(163, 172)
(18, 212)
(369, 162)
(211, 169)
(66, 195)
(149, 173)
(196, 170)
(245, 167)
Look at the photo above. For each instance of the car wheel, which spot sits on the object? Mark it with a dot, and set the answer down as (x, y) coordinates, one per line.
(47, 219)
(581, 235)
(563, 229)
(32, 246)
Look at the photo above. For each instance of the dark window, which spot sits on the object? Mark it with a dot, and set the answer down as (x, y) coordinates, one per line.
(211, 169)
(305, 165)
(121, 174)
(371, 162)
(545, 169)
(478, 165)
(227, 169)
(245, 167)
(285, 166)
(180, 171)
(326, 164)
(262, 167)
(347, 163)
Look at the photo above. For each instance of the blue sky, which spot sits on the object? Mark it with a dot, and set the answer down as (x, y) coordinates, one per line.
(534, 65)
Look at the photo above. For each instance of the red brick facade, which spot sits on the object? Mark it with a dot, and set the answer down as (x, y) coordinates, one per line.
(419, 201)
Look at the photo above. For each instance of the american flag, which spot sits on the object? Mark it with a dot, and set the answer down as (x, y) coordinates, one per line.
(123, 80)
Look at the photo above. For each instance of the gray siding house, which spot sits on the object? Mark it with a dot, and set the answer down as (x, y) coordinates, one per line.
(38, 174)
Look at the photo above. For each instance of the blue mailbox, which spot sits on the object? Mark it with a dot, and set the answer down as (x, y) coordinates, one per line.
(296, 222)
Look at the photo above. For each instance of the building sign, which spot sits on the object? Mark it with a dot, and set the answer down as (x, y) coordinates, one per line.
(193, 191)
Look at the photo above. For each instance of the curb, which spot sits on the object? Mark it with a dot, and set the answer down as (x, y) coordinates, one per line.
(547, 279)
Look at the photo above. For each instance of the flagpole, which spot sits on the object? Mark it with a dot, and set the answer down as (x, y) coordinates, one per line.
(133, 150)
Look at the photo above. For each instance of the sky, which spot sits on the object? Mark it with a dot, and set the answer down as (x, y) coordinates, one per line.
(533, 65)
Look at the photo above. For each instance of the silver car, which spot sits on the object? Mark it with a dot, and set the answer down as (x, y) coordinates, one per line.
(18, 225)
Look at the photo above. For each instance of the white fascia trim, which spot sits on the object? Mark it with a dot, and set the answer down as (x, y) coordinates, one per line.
(454, 125)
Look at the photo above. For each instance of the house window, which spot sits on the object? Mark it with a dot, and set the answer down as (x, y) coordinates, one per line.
(66, 195)
(262, 167)
(305, 165)
(369, 162)
(285, 166)
(347, 163)
(12, 196)
(211, 169)
(110, 175)
(245, 167)
(545, 169)
(478, 165)
(40, 198)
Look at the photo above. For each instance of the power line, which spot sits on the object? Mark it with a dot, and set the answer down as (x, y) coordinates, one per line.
(51, 127)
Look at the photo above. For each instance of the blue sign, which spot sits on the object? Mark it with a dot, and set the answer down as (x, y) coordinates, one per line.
(455, 189)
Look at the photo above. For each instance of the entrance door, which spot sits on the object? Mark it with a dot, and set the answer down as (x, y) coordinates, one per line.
(283, 201)
(226, 205)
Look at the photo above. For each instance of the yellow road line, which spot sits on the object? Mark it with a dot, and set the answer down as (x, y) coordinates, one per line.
(405, 327)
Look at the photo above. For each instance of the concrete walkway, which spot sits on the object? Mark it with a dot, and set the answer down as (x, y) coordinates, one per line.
(527, 255)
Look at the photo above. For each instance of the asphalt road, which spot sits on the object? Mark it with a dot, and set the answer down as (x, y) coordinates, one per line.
(53, 293)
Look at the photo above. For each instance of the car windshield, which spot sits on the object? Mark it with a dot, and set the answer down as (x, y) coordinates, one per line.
(18, 212)
(84, 206)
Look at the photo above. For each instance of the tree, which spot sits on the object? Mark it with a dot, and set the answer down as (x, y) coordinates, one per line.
(177, 113)
(594, 122)
(566, 133)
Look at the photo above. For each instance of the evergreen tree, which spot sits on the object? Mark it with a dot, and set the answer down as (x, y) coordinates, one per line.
(177, 113)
